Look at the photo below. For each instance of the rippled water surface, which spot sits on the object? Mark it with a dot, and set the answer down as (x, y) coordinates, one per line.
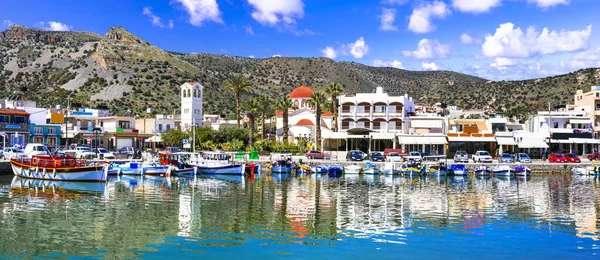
(310, 217)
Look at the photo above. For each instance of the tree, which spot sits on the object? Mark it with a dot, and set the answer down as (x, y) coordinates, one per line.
(174, 137)
(334, 90)
(265, 110)
(252, 109)
(284, 104)
(237, 84)
(319, 102)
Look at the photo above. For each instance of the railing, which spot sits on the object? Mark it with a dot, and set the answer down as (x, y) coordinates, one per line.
(14, 127)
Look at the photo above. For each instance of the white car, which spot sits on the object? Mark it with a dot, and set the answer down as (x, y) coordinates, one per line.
(10, 153)
(84, 152)
(414, 156)
(393, 157)
(36, 149)
(103, 154)
(482, 156)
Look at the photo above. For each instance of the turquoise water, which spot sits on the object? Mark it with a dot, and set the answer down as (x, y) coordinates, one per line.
(305, 217)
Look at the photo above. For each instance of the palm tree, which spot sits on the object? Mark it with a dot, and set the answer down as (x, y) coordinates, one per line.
(334, 90)
(237, 84)
(265, 110)
(319, 102)
(252, 109)
(284, 104)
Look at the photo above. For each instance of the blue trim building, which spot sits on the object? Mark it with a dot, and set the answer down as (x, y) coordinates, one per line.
(49, 135)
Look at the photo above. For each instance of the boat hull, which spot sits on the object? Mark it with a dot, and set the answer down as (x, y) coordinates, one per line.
(281, 169)
(156, 170)
(335, 170)
(174, 171)
(86, 173)
(234, 169)
(319, 169)
(371, 171)
(352, 170)
(411, 171)
(503, 172)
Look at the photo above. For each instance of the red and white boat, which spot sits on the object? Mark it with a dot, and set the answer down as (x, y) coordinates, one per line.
(179, 164)
(58, 168)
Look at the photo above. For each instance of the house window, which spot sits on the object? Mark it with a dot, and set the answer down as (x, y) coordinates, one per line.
(160, 127)
(38, 130)
(124, 124)
(186, 110)
(196, 111)
(51, 131)
(555, 125)
(168, 126)
(51, 141)
(597, 94)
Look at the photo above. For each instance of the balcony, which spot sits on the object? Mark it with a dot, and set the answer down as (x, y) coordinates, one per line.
(346, 114)
(14, 127)
(379, 114)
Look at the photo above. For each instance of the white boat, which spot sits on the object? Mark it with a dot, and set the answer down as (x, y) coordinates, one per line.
(218, 163)
(581, 170)
(129, 168)
(352, 169)
(58, 168)
(521, 170)
(390, 168)
(502, 170)
(155, 169)
(370, 169)
(482, 170)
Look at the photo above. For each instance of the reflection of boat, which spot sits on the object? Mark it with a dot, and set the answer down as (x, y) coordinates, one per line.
(253, 168)
(502, 170)
(370, 169)
(218, 163)
(581, 170)
(482, 170)
(319, 169)
(281, 176)
(459, 169)
(352, 169)
(521, 170)
(97, 188)
(389, 168)
(229, 178)
(58, 168)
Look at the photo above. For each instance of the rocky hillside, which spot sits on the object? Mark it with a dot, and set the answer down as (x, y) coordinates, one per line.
(124, 72)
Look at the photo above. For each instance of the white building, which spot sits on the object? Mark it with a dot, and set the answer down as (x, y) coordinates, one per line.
(192, 96)
(566, 130)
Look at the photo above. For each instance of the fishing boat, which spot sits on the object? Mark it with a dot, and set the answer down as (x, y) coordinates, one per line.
(154, 169)
(319, 169)
(521, 170)
(177, 164)
(218, 163)
(253, 168)
(412, 168)
(283, 164)
(113, 171)
(303, 169)
(390, 168)
(437, 170)
(581, 170)
(502, 170)
(335, 170)
(370, 169)
(129, 168)
(352, 169)
(58, 167)
(459, 169)
(482, 170)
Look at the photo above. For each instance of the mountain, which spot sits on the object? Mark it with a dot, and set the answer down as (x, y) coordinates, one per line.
(124, 72)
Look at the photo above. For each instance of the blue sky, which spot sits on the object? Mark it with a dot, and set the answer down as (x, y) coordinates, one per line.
(494, 39)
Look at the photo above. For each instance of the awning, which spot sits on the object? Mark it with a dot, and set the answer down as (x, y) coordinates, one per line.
(471, 139)
(505, 140)
(421, 139)
(335, 135)
(560, 141)
(154, 139)
(533, 143)
(426, 123)
(584, 141)
(580, 121)
(383, 136)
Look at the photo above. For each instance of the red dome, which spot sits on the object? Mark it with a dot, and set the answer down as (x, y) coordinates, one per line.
(305, 122)
(302, 92)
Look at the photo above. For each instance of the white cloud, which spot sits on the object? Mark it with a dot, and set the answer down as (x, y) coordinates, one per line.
(329, 52)
(477, 6)
(428, 49)
(54, 26)
(420, 19)
(513, 43)
(359, 48)
(467, 39)
(548, 3)
(155, 19)
(7, 23)
(249, 29)
(383, 63)
(585, 59)
(303, 32)
(429, 66)
(201, 11)
(275, 12)
(387, 20)
(251, 56)
(501, 63)
(394, 2)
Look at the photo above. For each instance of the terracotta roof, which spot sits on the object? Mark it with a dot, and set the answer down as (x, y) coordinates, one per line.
(301, 92)
(305, 122)
(278, 113)
(13, 112)
(328, 113)
(192, 82)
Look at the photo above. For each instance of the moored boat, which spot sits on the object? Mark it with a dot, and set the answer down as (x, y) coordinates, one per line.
(335, 170)
(437, 170)
(58, 168)
(303, 169)
(502, 170)
(370, 169)
(283, 164)
(412, 168)
(352, 169)
(253, 168)
(218, 163)
(177, 164)
(319, 169)
(129, 168)
(390, 168)
(521, 170)
(459, 169)
(154, 169)
(482, 170)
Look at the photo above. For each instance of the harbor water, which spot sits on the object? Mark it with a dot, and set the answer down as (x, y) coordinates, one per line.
(303, 217)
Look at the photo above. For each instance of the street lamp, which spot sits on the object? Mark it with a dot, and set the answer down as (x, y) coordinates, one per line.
(96, 131)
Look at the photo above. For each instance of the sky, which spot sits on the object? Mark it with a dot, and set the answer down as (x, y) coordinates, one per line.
(493, 39)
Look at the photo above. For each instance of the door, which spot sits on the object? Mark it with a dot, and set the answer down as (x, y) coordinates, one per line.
(124, 142)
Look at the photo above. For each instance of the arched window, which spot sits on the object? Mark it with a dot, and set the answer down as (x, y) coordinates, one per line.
(189, 93)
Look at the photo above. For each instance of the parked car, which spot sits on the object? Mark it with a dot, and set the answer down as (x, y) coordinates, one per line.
(36, 149)
(129, 153)
(593, 156)
(102, 153)
(522, 158)
(11, 152)
(84, 152)
(355, 155)
(414, 156)
(506, 158)
(393, 157)
(572, 158)
(557, 158)
(314, 154)
(400, 152)
(461, 156)
(482, 156)
(377, 157)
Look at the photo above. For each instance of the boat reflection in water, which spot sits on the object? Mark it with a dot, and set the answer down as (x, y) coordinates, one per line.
(55, 189)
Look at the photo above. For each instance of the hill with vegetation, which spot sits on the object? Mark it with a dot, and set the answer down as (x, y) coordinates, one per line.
(123, 72)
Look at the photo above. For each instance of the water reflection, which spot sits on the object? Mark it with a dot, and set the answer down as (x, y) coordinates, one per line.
(132, 216)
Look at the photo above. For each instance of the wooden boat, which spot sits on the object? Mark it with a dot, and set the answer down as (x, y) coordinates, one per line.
(283, 164)
(60, 167)
(482, 170)
(335, 170)
(370, 169)
(502, 170)
(177, 164)
(521, 170)
(218, 163)
(390, 168)
(412, 168)
(319, 169)
(352, 169)
(459, 169)
(154, 169)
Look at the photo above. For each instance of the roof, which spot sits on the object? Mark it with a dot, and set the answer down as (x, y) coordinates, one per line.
(305, 122)
(328, 113)
(301, 92)
(116, 117)
(13, 112)
(278, 113)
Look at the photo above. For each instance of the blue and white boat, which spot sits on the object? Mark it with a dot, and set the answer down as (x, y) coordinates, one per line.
(482, 170)
(459, 169)
(521, 170)
(154, 169)
(370, 169)
(218, 163)
(181, 171)
(437, 170)
(390, 168)
(319, 169)
(129, 168)
(283, 164)
(502, 170)
(412, 168)
(335, 170)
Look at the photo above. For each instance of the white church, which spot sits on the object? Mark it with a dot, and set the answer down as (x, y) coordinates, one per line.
(192, 96)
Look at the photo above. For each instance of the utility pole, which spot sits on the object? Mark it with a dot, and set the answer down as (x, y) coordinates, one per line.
(549, 129)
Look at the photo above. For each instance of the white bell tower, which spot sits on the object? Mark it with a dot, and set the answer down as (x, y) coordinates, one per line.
(192, 96)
